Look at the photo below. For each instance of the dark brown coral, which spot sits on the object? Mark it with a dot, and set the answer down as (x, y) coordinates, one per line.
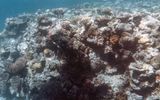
(114, 39)
(121, 96)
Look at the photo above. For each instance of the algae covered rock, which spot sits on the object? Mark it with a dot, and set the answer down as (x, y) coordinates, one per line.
(15, 26)
(142, 77)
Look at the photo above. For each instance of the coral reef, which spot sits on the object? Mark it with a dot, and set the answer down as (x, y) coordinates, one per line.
(87, 54)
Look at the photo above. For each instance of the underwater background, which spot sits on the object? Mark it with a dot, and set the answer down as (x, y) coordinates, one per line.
(79, 49)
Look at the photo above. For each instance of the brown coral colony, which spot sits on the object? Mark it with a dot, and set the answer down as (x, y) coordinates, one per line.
(114, 39)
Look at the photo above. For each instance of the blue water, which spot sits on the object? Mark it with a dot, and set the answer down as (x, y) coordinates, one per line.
(11, 8)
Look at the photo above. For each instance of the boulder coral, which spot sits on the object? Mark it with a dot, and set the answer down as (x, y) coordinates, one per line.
(17, 66)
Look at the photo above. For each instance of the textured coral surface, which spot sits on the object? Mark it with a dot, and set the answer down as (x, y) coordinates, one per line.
(81, 54)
